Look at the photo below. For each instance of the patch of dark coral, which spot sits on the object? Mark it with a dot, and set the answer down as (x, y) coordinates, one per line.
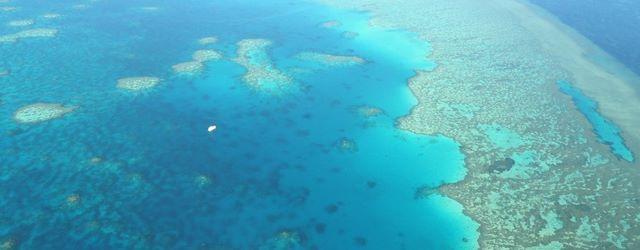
(501, 165)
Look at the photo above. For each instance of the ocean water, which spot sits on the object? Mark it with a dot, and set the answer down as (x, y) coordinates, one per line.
(295, 167)
(612, 25)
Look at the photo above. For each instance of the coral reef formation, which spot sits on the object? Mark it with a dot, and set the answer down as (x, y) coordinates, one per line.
(207, 40)
(51, 15)
(261, 73)
(21, 23)
(203, 181)
(206, 55)
(331, 60)
(150, 8)
(9, 244)
(539, 175)
(8, 8)
(424, 192)
(191, 67)
(369, 111)
(331, 24)
(32, 33)
(282, 241)
(138, 83)
(346, 145)
(40, 112)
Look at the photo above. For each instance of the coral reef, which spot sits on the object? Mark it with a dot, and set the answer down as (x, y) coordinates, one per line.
(206, 55)
(606, 130)
(369, 111)
(80, 6)
(21, 23)
(425, 191)
(191, 67)
(202, 181)
(9, 244)
(72, 199)
(331, 60)
(150, 8)
(261, 73)
(531, 155)
(96, 160)
(350, 34)
(32, 33)
(330, 24)
(137, 83)
(40, 112)
(207, 40)
(346, 145)
(283, 240)
(8, 8)
(51, 15)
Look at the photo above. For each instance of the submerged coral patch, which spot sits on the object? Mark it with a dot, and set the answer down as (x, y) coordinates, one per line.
(330, 24)
(331, 60)
(51, 15)
(38, 33)
(346, 145)
(208, 40)
(149, 8)
(72, 200)
(96, 160)
(369, 111)
(40, 112)
(188, 67)
(424, 192)
(32, 33)
(261, 73)
(9, 244)
(350, 34)
(138, 83)
(202, 181)
(21, 23)
(206, 55)
(501, 165)
(8, 8)
(80, 6)
(283, 240)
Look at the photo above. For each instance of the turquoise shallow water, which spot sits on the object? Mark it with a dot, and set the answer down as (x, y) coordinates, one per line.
(273, 176)
(607, 131)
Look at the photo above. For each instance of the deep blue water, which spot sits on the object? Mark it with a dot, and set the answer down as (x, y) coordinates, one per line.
(271, 177)
(607, 131)
(612, 25)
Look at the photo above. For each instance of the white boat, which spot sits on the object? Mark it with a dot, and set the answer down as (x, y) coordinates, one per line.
(212, 128)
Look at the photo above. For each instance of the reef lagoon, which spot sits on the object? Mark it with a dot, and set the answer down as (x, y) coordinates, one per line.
(421, 124)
